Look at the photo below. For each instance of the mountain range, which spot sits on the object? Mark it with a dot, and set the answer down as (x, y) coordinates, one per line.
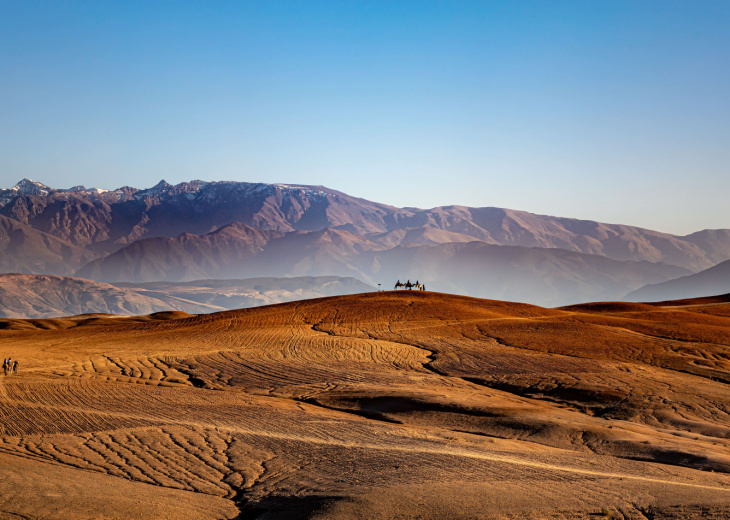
(199, 230)
(712, 281)
(45, 296)
(471, 268)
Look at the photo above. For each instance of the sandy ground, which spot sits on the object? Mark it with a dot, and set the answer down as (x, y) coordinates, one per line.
(386, 405)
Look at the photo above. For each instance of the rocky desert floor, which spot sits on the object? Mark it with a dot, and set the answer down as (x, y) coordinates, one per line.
(408, 405)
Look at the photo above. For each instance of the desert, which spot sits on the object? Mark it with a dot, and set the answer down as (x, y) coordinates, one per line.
(364, 260)
(398, 404)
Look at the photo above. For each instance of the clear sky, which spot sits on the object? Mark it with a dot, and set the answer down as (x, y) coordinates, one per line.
(617, 111)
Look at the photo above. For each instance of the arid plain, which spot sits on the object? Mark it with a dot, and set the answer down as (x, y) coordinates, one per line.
(380, 405)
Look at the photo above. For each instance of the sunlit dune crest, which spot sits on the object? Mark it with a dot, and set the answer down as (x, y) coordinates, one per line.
(381, 405)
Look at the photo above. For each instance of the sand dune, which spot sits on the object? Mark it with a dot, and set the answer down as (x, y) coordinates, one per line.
(380, 405)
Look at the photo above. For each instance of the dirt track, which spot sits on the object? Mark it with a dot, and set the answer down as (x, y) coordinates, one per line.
(384, 405)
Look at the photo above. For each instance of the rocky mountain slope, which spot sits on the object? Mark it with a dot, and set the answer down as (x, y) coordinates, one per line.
(710, 282)
(42, 296)
(185, 257)
(24, 249)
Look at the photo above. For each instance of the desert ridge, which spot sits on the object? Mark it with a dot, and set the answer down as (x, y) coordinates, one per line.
(396, 404)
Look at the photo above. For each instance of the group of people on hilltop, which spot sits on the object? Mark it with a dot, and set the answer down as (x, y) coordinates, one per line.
(10, 366)
(409, 286)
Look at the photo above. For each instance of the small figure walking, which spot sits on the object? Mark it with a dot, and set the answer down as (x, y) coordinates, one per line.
(15, 367)
(6, 363)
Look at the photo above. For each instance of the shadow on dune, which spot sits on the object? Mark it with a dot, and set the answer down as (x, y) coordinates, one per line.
(286, 507)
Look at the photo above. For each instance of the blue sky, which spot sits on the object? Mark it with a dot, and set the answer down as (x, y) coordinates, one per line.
(606, 110)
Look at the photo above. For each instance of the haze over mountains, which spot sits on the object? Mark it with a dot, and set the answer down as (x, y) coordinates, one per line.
(715, 280)
(200, 230)
(45, 296)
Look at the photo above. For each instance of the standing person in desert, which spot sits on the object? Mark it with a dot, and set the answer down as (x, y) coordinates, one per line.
(15, 367)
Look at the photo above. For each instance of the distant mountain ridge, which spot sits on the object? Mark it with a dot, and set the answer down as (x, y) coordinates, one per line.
(548, 277)
(710, 282)
(249, 292)
(43, 296)
(24, 249)
(222, 229)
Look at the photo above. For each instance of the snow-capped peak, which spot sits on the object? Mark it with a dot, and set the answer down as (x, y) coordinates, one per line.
(31, 187)
(158, 188)
(196, 189)
(83, 189)
(163, 184)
